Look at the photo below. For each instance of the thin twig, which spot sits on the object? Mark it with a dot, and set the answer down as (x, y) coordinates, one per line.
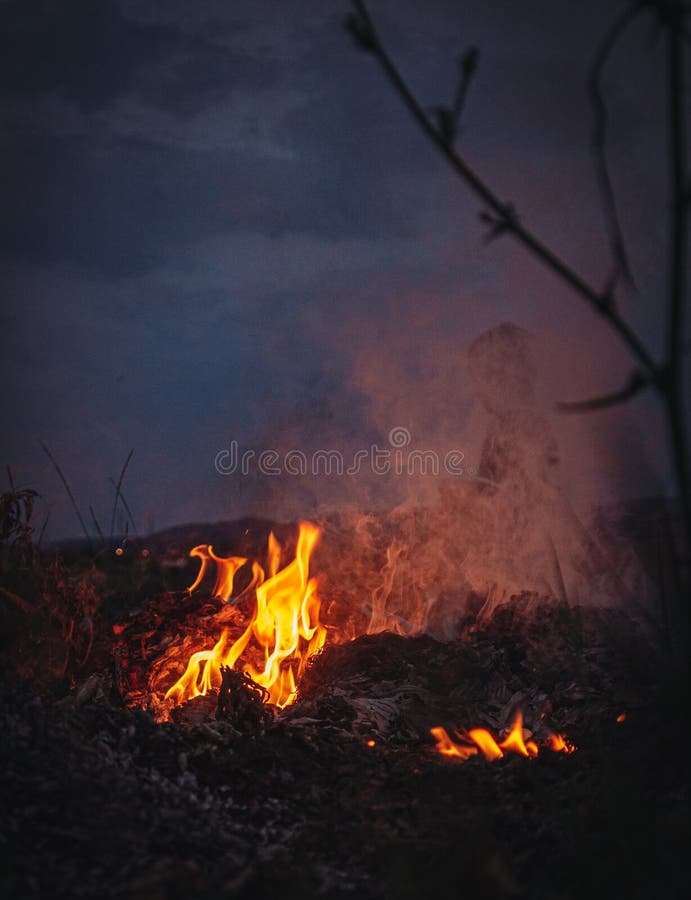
(42, 532)
(637, 382)
(11, 479)
(67, 488)
(505, 215)
(467, 66)
(117, 491)
(96, 525)
(449, 118)
(599, 139)
(126, 507)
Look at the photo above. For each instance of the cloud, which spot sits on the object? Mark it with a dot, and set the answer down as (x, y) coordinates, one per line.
(220, 222)
(88, 51)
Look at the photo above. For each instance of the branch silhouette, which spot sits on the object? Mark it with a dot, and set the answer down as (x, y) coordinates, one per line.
(599, 140)
(637, 382)
(502, 215)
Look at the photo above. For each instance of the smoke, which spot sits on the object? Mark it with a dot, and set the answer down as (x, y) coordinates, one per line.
(414, 550)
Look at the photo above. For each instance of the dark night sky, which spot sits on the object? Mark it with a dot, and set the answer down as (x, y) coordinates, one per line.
(219, 223)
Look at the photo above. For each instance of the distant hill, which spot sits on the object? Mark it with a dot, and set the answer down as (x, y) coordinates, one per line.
(647, 523)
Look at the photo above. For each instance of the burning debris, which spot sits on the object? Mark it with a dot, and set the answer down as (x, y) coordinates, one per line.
(284, 623)
(480, 740)
(257, 643)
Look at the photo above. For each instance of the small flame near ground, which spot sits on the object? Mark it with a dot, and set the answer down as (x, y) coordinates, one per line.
(285, 622)
(479, 740)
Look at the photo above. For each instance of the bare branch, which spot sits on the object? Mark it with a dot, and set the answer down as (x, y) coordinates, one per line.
(600, 302)
(449, 118)
(364, 36)
(467, 66)
(599, 140)
(636, 383)
(498, 224)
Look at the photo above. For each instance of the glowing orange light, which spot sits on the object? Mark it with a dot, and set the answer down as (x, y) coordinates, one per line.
(514, 742)
(447, 747)
(559, 744)
(371, 743)
(488, 746)
(226, 567)
(285, 623)
(514, 739)
(621, 717)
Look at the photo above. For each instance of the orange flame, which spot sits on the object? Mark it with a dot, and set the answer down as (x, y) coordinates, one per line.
(482, 740)
(514, 739)
(227, 567)
(559, 744)
(447, 747)
(285, 623)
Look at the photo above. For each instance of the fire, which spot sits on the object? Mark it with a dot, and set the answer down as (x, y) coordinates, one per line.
(447, 747)
(484, 740)
(285, 622)
(514, 739)
(226, 569)
(559, 744)
(479, 739)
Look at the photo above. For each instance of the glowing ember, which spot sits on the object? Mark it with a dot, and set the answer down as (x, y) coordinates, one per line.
(559, 744)
(479, 739)
(285, 623)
